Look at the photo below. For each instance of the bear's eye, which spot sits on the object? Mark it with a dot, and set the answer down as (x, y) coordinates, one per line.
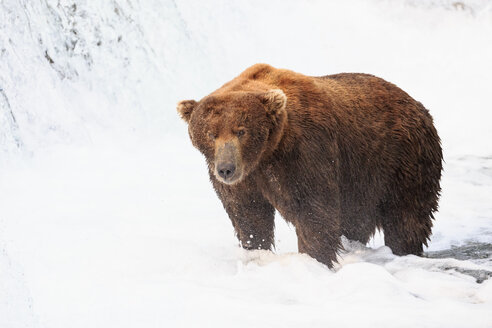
(211, 135)
(240, 132)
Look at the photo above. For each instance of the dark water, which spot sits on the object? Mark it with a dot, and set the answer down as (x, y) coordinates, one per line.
(476, 252)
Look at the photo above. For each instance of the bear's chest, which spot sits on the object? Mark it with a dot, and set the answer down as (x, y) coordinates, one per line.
(281, 188)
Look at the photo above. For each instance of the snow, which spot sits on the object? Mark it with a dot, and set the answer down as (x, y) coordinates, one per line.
(107, 215)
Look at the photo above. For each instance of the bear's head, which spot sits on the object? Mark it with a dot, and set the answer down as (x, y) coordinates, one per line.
(235, 130)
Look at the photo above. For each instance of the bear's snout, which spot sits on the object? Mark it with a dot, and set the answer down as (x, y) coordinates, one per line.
(226, 170)
(227, 163)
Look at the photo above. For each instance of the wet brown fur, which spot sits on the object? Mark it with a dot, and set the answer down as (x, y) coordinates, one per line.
(344, 155)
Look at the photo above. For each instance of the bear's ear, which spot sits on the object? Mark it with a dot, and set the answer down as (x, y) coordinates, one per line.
(274, 100)
(185, 108)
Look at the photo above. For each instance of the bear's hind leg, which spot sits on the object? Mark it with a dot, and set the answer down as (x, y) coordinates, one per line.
(358, 225)
(406, 231)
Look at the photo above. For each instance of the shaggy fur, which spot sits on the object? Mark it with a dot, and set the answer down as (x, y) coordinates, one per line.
(336, 155)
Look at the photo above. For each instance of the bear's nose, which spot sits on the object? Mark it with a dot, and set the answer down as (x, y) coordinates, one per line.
(226, 170)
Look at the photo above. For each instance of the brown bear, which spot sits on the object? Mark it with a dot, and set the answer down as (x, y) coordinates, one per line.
(336, 155)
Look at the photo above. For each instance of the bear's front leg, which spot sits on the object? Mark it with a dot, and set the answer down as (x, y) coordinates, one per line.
(319, 240)
(318, 228)
(252, 216)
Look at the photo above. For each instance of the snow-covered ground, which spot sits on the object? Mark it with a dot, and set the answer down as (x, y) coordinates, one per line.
(100, 227)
